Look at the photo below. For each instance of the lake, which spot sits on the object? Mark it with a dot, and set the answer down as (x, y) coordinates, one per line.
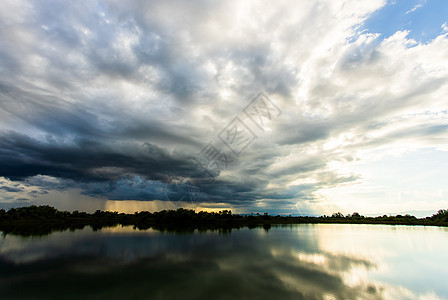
(315, 261)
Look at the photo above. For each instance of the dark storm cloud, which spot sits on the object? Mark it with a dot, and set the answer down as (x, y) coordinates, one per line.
(128, 187)
(11, 189)
(37, 193)
(85, 160)
(116, 98)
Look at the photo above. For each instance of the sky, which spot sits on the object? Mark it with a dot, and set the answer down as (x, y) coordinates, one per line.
(285, 107)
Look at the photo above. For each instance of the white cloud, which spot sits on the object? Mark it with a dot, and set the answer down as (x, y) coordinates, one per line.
(413, 9)
(444, 27)
(174, 74)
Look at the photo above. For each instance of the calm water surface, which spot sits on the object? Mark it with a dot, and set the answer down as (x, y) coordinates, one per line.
(286, 262)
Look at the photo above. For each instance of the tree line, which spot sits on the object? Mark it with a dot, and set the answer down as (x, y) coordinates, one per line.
(45, 219)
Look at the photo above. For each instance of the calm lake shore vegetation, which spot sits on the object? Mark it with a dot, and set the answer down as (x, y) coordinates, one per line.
(42, 220)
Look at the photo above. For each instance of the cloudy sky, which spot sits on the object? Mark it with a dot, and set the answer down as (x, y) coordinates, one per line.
(286, 107)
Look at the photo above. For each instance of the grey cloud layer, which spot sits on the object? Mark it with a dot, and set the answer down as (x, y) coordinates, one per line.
(116, 97)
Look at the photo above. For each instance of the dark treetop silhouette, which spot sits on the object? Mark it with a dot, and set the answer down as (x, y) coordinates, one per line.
(41, 220)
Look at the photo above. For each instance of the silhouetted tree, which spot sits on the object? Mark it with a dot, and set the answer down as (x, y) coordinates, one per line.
(356, 215)
(441, 216)
(44, 219)
(338, 215)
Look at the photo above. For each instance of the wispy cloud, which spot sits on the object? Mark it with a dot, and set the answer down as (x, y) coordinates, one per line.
(113, 99)
(413, 9)
(444, 27)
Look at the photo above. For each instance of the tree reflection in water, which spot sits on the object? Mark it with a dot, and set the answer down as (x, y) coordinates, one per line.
(282, 262)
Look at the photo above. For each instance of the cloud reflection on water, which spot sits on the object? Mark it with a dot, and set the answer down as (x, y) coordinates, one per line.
(290, 262)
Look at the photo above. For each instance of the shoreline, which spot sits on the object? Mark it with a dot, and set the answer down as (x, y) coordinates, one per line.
(43, 220)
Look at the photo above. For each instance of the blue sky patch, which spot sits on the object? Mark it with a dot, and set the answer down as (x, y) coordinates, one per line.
(424, 19)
